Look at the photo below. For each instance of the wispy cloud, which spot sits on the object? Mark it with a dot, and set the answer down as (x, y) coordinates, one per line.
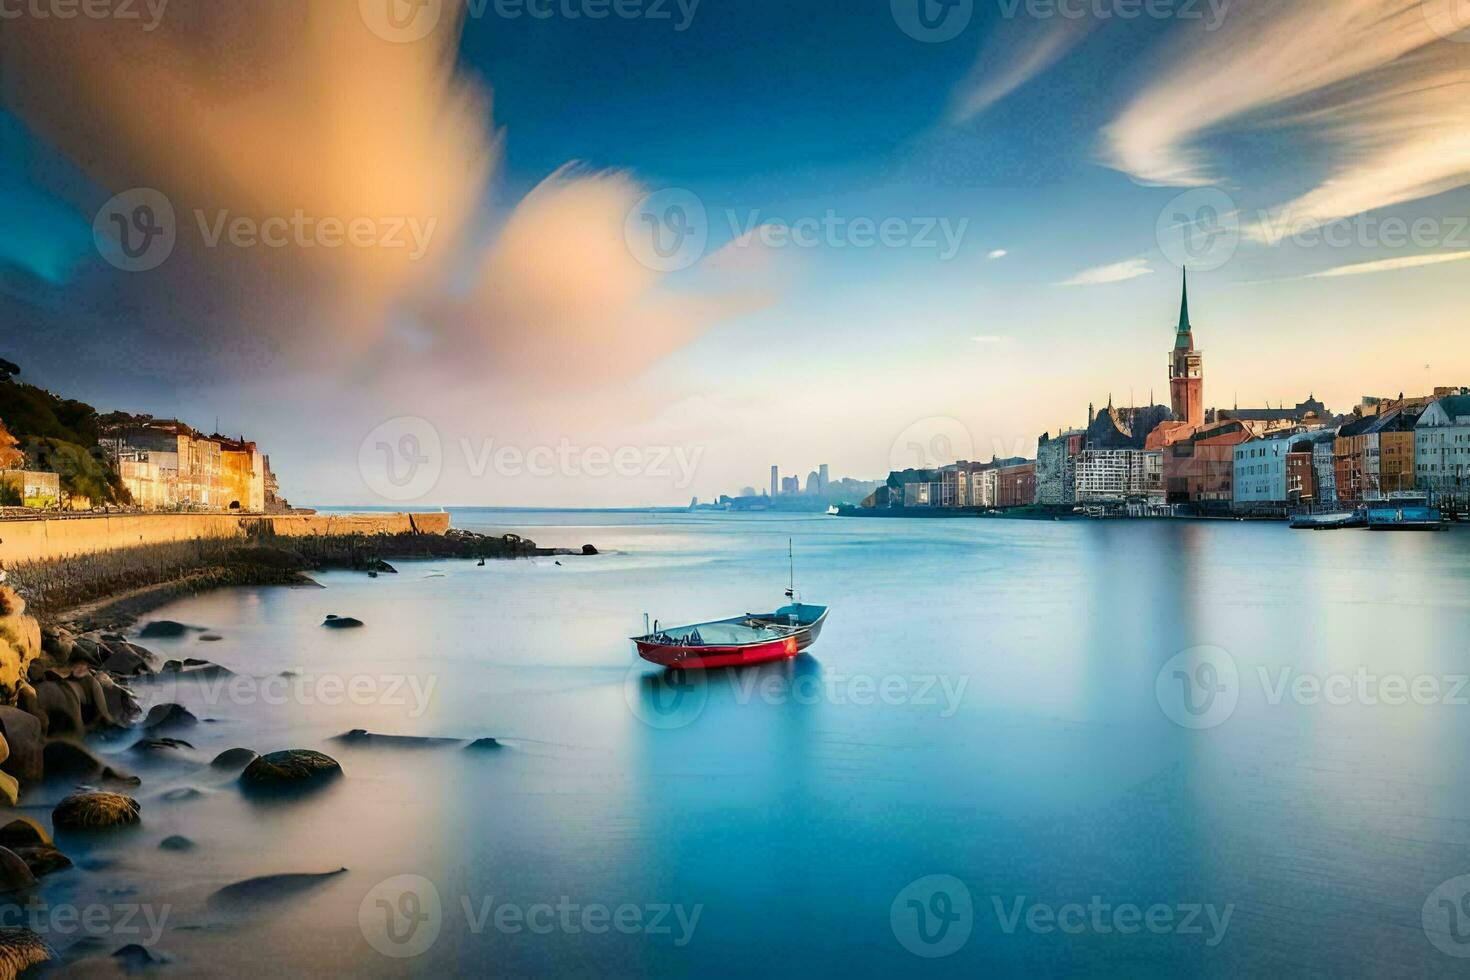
(999, 253)
(1018, 51)
(990, 340)
(1373, 80)
(1105, 274)
(1390, 265)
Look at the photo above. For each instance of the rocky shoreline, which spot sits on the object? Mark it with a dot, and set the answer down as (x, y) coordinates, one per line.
(67, 675)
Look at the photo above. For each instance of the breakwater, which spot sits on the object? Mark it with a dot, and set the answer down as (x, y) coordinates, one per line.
(53, 538)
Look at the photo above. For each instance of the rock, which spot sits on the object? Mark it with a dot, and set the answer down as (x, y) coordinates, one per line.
(90, 696)
(21, 949)
(176, 842)
(121, 704)
(42, 859)
(169, 716)
(20, 642)
(159, 745)
(26, 700)
(14, 874)
(269, 888)
(484, 745)
(233, 759)
(359, 736)
(167, 628)
(69, 760)
(23, 832)
(341, 623)
(171, 667)
(9, 789)
(292, 769)
(95, 811)
(26, 741)
(57, 644)
(210, 638)
(134, 957)
(87, 650)
(590, 551)
(125, 663)
(182, 794)
(62, 707)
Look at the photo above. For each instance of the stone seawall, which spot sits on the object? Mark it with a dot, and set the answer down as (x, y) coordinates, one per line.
(48, 539)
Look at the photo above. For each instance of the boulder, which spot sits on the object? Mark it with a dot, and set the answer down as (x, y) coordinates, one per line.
(234, 759)
(210, 638)
(167, 628)
(69, 760)
(14, 874)
(341, 623)
(289, 770)
(484, 745)
(176, 842)
(23, 832)
(62, 707)
(57, 644)
(121, 704)
(20, 642)
(26, 700)
(90, 696)
(42, 859)
(26, 741)
(125, 663)
(169, 716)
(135, 957)
(95, 811)
(21, 949)
(9, 789)
(590, 551)
(86, 649)
(159, 745)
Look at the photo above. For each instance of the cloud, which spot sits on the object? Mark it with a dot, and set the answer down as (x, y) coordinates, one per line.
(1019, 50)
(990, 339)
(999, 253)
(1117, 272)
(1371, 80)
(1390, 265)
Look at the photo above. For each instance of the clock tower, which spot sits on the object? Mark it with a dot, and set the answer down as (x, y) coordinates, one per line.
(1187, 369)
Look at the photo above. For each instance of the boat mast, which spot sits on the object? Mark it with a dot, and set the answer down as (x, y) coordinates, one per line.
(791, 559)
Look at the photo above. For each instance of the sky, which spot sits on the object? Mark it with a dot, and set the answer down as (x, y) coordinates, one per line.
(629, 252)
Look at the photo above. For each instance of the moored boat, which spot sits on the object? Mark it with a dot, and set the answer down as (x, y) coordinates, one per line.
(749, 639)
(1405, 515)
(1331, 522)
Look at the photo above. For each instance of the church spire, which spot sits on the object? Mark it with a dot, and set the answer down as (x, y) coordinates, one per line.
(1185, 337)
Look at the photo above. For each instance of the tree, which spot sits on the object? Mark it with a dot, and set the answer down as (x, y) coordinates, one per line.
(8, 369)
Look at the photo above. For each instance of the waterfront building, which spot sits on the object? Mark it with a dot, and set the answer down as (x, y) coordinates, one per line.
(790, 484)
(1309, 412)
(921, 494)
(1015, 486)
(775, 481)
(1056, 467)
(1324, 471)
(1442, 451)
(242, 473)
(1274, 472)
(38, 491)
(1374, 455)
(1186, 370)
(1113, 476)
(167, 465)
(824, 477)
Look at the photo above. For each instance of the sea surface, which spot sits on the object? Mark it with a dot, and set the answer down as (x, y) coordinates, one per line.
(1019, 748)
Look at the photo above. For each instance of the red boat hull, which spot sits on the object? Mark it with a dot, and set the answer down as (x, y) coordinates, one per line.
(709, 657)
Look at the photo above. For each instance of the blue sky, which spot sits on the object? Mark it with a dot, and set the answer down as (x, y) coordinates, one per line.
(1056, 154)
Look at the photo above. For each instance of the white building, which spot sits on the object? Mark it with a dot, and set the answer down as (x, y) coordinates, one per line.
(1118, 475)
(1442, 451)
(1262, 471)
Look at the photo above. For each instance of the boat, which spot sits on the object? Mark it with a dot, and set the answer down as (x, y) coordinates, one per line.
(1405, 514)
(1331, 522)
(739, 640)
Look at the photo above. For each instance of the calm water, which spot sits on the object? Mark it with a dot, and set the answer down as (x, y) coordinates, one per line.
(991, 702)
